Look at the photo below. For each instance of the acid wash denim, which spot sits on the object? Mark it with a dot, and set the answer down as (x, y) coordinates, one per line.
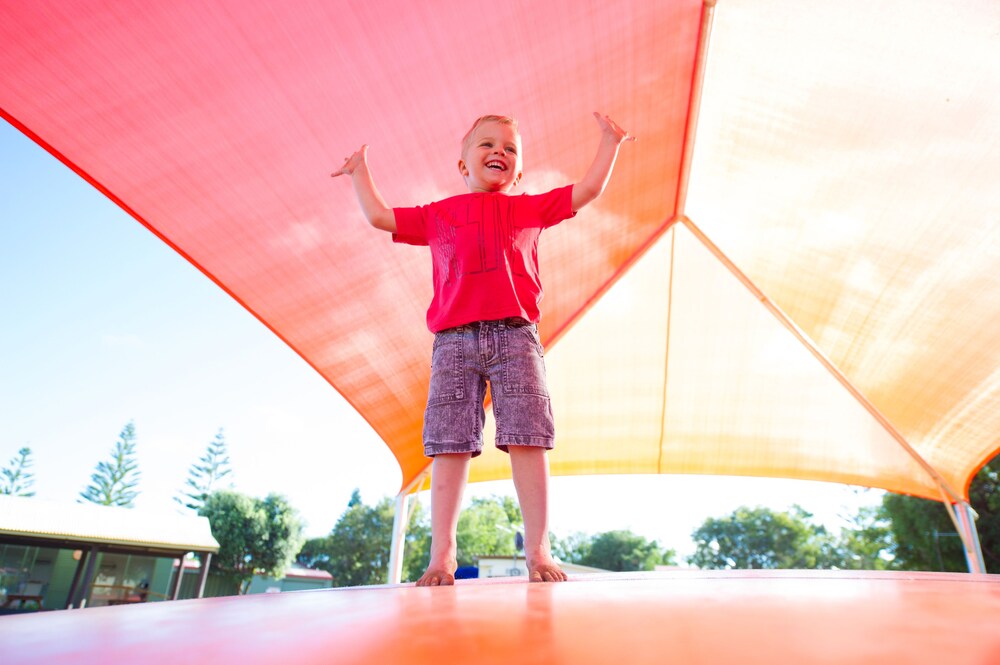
(507, 354)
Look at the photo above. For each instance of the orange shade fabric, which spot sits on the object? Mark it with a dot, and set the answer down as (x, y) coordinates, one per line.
(851, 176)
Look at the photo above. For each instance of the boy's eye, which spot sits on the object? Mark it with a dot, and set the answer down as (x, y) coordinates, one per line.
(512, 149)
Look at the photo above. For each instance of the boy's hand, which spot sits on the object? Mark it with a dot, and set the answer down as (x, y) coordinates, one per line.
(373, 205)
(612, 130)
(351, 163)
(596, 179)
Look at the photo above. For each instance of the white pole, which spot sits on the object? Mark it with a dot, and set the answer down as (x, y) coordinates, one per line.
(970, 537)
(399, 521)
(964, 518)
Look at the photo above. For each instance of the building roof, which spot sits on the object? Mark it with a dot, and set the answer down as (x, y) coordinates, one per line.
(294, 571)
(300, 572)
(89, 523)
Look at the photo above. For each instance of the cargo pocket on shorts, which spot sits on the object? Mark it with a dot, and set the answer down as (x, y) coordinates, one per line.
(523, 363)
(447, 375)
(447, 418)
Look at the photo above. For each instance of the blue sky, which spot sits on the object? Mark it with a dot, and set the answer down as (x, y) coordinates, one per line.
(104, 324)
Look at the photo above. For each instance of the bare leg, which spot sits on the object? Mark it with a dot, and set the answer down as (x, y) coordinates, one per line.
(448, 479)
(530, 468)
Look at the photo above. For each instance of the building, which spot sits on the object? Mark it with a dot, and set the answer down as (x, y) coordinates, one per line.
(56, 556)
(66, 555)
(508, 566)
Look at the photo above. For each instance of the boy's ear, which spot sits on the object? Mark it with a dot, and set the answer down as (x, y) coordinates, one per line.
(462, 168)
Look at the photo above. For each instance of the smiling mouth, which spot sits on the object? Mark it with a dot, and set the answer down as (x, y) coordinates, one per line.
(496, 165)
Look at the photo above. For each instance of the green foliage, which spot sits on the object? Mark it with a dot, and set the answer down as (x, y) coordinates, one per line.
(867, 543)
(356, 552)
(926, 536)
(256, 536)
(206, 476)
(114, 482)
(487, 528)
(358, 546)
(762, 538)
(985, 498)
(15, 478)
(622, 551)
(574, 548)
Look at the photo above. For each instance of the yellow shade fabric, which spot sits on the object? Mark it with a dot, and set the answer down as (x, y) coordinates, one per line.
(714, 384)
(848, 160)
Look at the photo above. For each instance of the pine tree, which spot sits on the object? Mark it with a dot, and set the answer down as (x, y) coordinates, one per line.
(114, 482)
(15, 479)
(206, 476)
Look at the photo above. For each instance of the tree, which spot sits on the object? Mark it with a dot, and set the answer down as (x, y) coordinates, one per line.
(574, 548)
(487, 528)
(256, 536)
(356, 552)
(206, 476)
(114, 482)
(867, 543)
(624, 551)
(984, 495)
(926, 537)
(762, 538)
(15, 479)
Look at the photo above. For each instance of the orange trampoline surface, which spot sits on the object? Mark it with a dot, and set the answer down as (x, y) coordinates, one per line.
(683, 616)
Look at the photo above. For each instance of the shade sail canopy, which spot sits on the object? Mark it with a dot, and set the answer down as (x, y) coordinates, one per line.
(846, 161)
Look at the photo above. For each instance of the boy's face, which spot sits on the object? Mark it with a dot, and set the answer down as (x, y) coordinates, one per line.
(492, 162)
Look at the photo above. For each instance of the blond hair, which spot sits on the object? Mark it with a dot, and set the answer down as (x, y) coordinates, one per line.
(502, 119)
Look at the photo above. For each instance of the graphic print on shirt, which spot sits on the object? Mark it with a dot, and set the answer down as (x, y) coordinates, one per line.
(480, 241)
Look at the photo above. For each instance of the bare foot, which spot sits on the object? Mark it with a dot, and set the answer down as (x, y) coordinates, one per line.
(545, 569)
(438, 575)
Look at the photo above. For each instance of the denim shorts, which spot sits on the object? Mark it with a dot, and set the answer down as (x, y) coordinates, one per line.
(506, 353)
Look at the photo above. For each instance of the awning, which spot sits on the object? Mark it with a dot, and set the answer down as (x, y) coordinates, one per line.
(846, 162)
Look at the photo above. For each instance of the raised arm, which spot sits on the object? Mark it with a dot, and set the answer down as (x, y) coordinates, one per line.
(596, 179)
(373, 205)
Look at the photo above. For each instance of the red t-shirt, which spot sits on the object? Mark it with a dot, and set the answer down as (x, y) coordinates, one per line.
(485, 252)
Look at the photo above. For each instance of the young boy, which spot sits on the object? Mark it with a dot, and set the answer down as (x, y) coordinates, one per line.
(485, 307)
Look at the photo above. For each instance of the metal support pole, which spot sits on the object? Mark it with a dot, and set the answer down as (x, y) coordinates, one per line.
(77, 576)
(206, 560)
(175, 590)
(966, 520)
(83, 589)
(399, 523)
